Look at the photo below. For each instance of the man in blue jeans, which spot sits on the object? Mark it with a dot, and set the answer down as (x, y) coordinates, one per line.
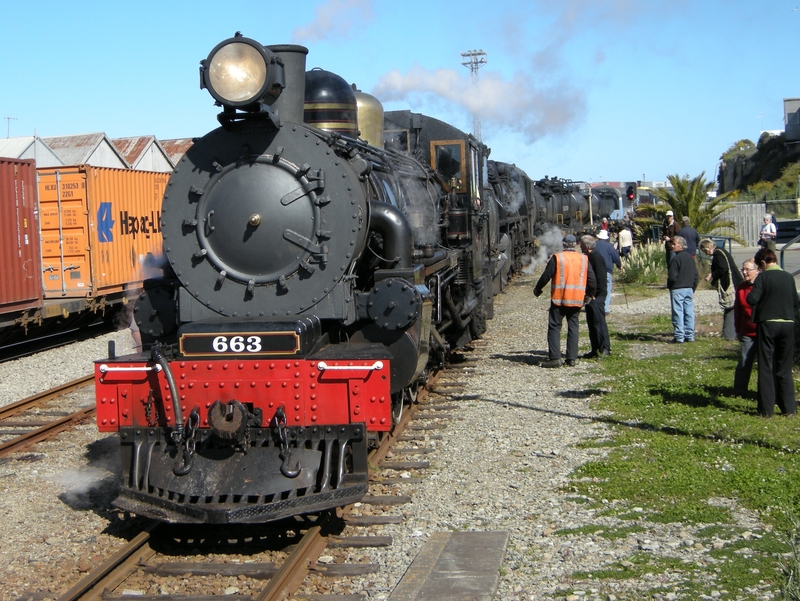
(682, 279)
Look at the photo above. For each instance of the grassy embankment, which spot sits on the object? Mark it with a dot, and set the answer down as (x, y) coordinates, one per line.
(682, 443)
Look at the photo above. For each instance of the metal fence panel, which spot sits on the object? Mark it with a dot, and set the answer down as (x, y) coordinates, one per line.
(747, 218)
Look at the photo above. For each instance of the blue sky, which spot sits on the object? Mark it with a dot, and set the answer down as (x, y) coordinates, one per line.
(583, 89)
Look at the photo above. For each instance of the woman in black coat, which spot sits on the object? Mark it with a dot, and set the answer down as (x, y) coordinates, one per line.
(774, 301)
(724, 276)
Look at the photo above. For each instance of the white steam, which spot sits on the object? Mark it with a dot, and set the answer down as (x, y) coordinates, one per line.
(515, 105)
(334, 19)
(550, 242)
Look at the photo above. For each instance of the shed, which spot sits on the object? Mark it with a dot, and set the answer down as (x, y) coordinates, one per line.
(176, 148)
(87, 149)
(791, 118)
(144, 153)
(30, 147)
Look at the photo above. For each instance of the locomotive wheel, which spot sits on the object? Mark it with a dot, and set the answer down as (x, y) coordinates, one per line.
(407, 396)
(477, 325)
(397, 406)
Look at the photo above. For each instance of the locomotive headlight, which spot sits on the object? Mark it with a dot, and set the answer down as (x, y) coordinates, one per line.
(240, 72)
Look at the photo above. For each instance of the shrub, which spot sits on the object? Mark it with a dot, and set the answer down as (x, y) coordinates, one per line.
(646, 264)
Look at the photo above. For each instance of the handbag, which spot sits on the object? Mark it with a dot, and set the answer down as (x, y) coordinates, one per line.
(727, 297)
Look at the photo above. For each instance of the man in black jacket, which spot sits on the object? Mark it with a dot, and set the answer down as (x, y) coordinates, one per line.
(774, 301)
(690, 235)
(595, 309)
(682, 281)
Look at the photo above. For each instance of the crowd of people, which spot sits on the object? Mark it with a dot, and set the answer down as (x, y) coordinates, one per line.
(758, 302)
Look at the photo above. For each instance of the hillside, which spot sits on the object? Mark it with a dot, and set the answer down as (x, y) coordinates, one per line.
(766, 171)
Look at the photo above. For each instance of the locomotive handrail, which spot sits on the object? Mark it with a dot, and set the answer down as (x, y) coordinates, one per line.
(105, 368)
(322, 366)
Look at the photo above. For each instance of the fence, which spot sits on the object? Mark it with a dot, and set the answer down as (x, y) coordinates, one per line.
(747, 219)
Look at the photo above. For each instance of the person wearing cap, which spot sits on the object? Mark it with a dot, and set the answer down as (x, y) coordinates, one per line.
(606, 250)
(690, 235)
(671, 229)
(572, 282)
(682, 280)
(595, 309)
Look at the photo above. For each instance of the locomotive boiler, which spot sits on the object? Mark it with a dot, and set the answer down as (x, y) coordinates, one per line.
(312, 281)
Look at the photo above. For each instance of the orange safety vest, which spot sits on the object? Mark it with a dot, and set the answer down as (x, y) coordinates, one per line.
(568, 287)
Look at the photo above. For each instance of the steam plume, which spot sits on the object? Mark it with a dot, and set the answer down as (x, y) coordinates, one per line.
(549, 242)
(335, 19)
(514, 105)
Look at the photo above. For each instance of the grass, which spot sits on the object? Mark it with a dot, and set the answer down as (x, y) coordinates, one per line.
(686, 451)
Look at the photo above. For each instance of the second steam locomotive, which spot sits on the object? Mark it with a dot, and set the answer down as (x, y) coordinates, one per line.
(322, 257)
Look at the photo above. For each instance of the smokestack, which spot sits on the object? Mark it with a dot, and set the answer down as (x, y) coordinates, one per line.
(289, 105)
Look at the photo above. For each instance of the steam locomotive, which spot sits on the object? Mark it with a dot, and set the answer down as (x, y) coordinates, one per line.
(321, 258)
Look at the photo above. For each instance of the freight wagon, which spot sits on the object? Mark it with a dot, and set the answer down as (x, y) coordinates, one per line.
(77, 242)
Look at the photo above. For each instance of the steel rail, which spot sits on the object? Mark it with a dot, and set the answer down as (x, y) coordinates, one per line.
(43, 397)
(114, 570)
(21, 443)
(296, 567)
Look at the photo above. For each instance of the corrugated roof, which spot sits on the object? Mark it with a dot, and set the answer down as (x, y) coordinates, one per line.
(15, 147)
(132, 149)
(78, 149)
(30, 147)
(144, 153)
(176, 148)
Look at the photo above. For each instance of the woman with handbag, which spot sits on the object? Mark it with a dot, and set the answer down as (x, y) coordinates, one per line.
(724, 276)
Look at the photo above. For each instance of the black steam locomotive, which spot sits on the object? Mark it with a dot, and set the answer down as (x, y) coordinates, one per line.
(321, 258)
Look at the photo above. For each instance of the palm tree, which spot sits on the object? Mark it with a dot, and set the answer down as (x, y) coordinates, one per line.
(690, 197)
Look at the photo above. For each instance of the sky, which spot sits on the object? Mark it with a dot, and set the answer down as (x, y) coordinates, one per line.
(588, 90)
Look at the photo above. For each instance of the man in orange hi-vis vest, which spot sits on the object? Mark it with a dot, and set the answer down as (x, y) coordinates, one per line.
(572, 282)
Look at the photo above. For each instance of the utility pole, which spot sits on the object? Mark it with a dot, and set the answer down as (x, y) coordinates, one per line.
(474, 59)
(8, 125)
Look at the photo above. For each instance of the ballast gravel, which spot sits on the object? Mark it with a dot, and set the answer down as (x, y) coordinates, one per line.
(501, 462)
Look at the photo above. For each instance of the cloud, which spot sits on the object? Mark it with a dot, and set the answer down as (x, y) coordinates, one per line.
(518, 104)
(334, 19)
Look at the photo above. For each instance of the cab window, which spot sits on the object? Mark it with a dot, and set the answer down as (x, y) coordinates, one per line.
(448, 159)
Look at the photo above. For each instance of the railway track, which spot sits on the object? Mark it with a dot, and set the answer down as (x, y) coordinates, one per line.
(188, 562)
(27, 432)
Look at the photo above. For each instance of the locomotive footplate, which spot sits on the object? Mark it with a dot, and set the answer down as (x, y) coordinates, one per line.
(224, 484)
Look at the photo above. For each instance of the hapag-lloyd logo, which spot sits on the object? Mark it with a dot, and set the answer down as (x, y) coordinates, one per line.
(129, 225)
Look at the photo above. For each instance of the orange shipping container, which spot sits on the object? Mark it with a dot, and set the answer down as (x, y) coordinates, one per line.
(98, 225)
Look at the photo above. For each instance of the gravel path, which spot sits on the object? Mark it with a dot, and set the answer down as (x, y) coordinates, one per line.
(500, 465)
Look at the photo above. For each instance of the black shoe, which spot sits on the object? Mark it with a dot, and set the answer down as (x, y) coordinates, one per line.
(552, 363)
(605, 353)
(571, 362)
(676, 341)
(592, 355)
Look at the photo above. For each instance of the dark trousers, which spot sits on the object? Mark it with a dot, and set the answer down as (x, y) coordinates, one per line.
(775, 344)
(598, 328)
(554, 319)
(728, 327)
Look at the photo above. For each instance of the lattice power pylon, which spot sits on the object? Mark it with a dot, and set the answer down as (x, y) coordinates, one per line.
(474, 59)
